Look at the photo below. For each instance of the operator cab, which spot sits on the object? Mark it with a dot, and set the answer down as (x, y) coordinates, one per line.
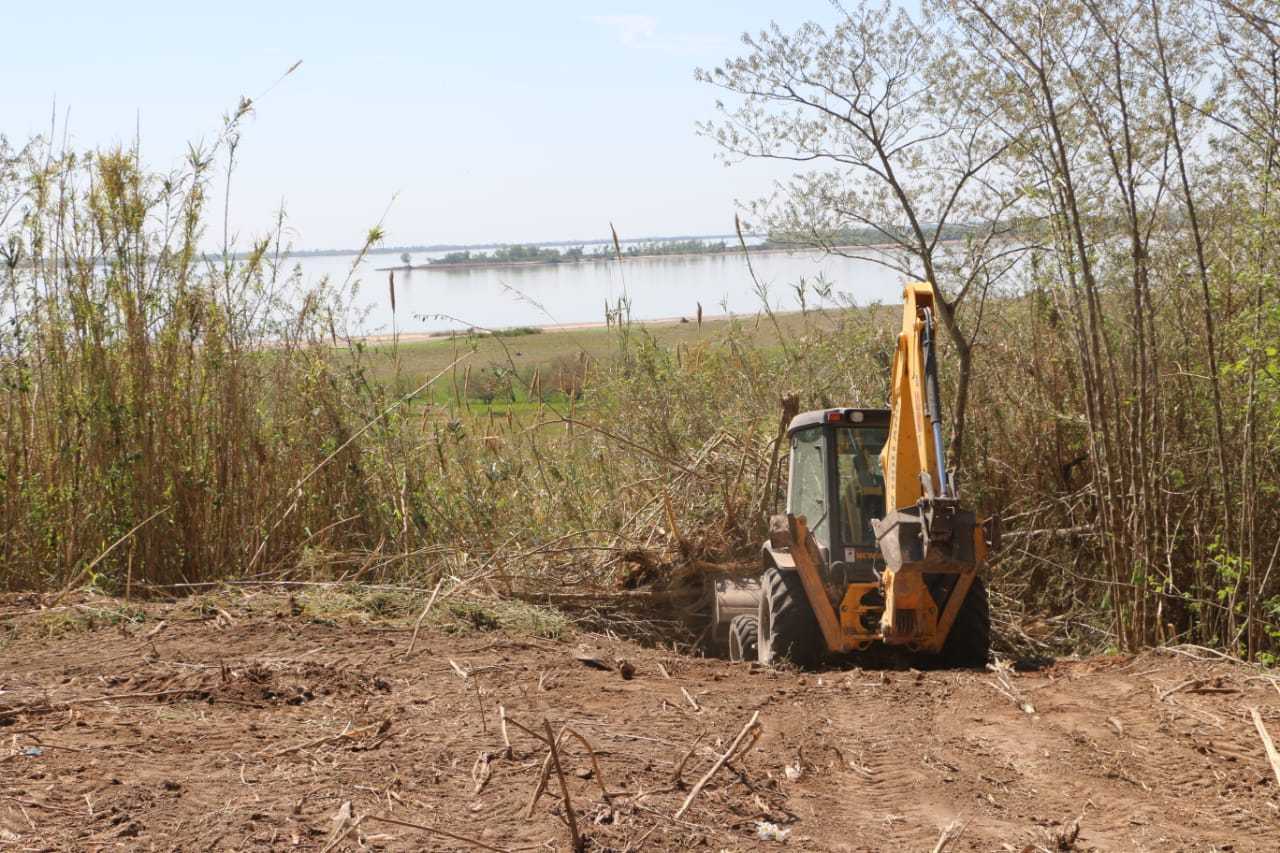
(840, 500)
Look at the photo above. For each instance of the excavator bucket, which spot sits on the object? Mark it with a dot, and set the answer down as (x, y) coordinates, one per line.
(931, 554)
(935, 534)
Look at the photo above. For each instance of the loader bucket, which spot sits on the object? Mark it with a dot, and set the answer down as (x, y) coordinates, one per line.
(933, 533)
(934, 537)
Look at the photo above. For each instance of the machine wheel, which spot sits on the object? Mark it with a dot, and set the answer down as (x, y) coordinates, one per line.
(744, 636)
(969, 643)
(788, 628)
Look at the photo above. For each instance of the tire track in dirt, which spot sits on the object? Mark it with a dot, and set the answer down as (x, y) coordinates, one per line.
(898, 741)
(1102, 746)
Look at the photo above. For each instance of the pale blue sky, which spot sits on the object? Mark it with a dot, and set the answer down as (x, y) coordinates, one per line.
(504, 121)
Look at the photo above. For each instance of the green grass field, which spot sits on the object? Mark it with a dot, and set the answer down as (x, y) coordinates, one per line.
(419, 360)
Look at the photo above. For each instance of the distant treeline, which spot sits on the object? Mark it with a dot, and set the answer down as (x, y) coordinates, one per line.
(863, 236)
(525, 254)
(778, 240)
(473, 247)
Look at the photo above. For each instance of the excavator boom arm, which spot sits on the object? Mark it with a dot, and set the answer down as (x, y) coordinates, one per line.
(925, 533)
(913, 397)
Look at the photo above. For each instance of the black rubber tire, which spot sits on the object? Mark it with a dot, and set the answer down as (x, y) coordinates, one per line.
(969, 643)
(788, 628)
(744, 638)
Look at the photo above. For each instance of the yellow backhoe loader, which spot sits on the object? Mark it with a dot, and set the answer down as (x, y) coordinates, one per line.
(874, 547)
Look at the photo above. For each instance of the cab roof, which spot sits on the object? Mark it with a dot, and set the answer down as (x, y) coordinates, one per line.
(840, 417)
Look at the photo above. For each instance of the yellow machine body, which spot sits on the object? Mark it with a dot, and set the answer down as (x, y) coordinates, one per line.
(923, 534)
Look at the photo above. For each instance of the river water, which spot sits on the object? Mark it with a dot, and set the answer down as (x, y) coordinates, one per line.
(564, 294)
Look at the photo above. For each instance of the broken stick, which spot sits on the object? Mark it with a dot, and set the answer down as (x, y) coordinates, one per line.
(543, 775)
(347, 732)
(679, 771)
(506, 739)
(1191, 682)
(413, 642)
(595, 765)
(435, 829)
(951, 832)
(720, 762)
(481, 771)
(1272, 755)
(49, 706)
(564, 789)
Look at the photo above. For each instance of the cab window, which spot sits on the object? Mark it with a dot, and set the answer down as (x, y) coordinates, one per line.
(808, 492)
(861, 483)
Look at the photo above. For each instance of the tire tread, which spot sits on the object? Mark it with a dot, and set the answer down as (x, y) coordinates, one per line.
(969, 643)
(745, 630)
(793, 627)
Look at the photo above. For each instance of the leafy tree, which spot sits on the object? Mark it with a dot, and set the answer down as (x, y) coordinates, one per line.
(882, 114)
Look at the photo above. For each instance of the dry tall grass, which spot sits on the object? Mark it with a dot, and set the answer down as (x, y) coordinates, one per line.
(175, 418)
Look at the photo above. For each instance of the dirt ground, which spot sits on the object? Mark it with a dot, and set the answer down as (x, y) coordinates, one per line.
(262, 728)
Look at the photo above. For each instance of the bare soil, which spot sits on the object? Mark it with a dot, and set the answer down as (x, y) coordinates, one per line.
(254, 728)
